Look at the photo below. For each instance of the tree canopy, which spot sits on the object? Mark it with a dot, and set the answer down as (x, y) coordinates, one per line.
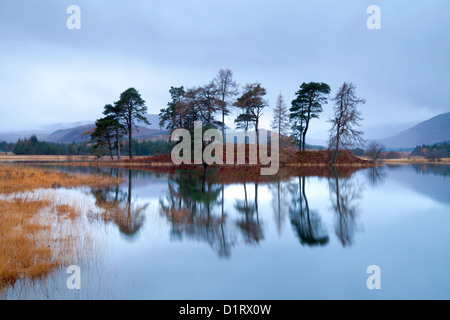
(306, 106)
(131, 109)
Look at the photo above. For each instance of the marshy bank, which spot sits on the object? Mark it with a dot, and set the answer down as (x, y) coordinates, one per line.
(41, 230)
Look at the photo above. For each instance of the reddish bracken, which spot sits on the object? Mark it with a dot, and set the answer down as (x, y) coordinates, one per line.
(292, 163)
(287, 157)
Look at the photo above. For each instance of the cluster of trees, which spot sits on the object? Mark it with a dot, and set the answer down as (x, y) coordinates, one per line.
(148, 147)
(433, 152)
(374, 151)
(120, 119)
(33, 146)
(211, 102)
(6, 146)
(204, 103)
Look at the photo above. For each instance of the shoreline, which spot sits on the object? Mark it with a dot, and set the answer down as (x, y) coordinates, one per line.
(143, 161)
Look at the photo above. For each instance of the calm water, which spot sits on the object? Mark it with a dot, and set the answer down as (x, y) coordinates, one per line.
(291, 238)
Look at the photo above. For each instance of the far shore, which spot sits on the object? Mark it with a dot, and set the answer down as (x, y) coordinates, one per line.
(140, 161)
(414, 159)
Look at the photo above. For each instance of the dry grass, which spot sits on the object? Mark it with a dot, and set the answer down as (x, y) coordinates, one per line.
(14, 178)
(45, 158)
(413, 160)
(38, 234)
(58, 159)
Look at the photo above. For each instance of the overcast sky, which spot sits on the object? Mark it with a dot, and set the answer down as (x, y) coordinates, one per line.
(51, 74)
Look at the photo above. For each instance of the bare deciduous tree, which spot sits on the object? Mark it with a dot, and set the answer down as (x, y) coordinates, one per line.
(226, 89)
(280, 120)
(343, 134)
(374, 151)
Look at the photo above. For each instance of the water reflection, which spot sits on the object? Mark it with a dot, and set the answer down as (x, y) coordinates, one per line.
(345, 192)
(306, 223)
(119, 207)
(376, 176)
(248, 222)
(435, 169)
(190, 207)
(280, 202)
(194, 207)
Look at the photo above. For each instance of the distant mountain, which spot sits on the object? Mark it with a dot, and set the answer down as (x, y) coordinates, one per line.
(81, 134)
(40, 131)
(76, 131)
(49, 128)
(383, 131)
(77, 134)
(431, 131)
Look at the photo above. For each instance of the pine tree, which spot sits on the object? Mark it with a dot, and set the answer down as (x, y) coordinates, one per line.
(132, 109)
(308, 105)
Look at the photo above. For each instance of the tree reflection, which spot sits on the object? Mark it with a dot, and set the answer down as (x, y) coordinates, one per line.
(189, 206)
(305, 222)
(376, 176)
(344, 194)
(280, 202)
(249, 221)
(119, 207)
(435, 169)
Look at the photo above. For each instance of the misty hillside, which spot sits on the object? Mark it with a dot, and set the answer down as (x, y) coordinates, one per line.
(431, 131)
(81, 134)
(40, 131)
(154, 122)
(76, 131)
(77, 134)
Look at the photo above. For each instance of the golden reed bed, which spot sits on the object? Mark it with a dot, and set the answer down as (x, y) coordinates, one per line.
(37, 233)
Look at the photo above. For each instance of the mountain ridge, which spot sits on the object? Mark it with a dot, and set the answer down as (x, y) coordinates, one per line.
(428, 132)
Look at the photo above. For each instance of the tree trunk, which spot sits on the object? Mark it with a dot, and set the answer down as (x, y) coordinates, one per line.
(306, 129)
(256, 203)
(110, 149)
(338, 136)
(279, 131)
(130, 129)
(223, 124)
(257, 139)
(130, 141)
(118, 144)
